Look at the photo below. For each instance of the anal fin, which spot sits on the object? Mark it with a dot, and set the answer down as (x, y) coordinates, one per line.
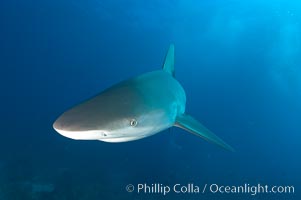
(189, 124)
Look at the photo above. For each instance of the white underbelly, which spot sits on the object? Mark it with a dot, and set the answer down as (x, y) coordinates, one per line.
(135, 133)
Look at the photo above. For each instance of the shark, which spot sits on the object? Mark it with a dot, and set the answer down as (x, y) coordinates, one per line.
(134, 109)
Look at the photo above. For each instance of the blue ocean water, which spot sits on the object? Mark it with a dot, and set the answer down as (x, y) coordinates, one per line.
(239, 62)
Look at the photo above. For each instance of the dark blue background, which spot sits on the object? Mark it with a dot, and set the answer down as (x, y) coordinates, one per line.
(239, 62)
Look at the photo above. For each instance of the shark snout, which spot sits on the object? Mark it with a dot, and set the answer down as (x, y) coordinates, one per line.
(76, 133)
(59, 127)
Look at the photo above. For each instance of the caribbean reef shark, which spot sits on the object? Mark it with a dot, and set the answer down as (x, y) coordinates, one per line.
(133, 109)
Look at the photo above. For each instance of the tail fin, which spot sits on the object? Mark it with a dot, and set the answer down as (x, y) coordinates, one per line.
(188, 123)
(169, 61)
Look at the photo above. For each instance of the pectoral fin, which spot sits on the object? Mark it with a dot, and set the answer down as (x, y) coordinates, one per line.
(188, 123)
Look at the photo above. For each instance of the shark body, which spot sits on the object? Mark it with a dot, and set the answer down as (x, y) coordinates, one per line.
(134, 109)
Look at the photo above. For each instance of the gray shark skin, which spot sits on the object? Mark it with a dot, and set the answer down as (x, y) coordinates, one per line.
(134, 109)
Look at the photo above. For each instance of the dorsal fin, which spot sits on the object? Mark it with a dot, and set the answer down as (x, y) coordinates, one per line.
(169, 61)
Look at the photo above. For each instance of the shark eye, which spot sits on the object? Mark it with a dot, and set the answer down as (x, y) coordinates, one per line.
(133, 122)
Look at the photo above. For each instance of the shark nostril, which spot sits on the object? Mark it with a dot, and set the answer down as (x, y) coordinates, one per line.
(104, 134)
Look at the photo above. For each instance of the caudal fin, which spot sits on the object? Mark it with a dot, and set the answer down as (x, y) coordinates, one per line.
(188, 123)
(169, 61)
